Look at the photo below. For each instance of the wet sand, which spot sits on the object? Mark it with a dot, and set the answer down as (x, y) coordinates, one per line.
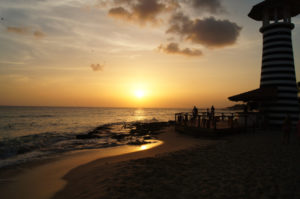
(43, 181)
(245, 166)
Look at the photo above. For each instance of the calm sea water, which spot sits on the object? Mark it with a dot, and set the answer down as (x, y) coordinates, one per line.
(28, 133)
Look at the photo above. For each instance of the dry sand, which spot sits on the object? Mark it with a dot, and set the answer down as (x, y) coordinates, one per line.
(245, 166)
(42, 181)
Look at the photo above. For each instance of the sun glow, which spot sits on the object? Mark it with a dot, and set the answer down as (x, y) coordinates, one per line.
(139, 93)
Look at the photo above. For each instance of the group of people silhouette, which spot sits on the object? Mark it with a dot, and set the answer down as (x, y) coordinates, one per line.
(209, 114)
(287, 126)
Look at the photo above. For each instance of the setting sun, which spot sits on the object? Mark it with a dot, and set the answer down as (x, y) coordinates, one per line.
(139, 94)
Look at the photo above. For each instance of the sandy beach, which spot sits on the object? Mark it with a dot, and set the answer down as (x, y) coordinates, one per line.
(43, 179)
(244, 166)
(241, 166)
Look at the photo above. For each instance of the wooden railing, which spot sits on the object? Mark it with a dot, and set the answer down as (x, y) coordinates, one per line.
(219, 120)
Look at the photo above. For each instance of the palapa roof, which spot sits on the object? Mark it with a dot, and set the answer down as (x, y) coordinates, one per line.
(257, 95)
(257, 11)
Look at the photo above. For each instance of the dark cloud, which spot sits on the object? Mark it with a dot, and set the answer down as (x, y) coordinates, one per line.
(148, 11)
(142, 11)
(123, 1)
(120, 12)
(209, 32)
(173, 48)
(212, 6)
(97, 67)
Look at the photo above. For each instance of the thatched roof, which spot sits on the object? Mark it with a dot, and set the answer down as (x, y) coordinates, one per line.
(257, 95)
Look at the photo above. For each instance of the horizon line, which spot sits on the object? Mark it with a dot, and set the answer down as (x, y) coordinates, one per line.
(53, 106)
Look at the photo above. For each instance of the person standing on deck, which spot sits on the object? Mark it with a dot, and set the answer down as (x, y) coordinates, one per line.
(195, 112)
(212, 111)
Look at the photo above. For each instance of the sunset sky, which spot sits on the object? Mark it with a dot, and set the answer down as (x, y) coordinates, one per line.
(129, 53)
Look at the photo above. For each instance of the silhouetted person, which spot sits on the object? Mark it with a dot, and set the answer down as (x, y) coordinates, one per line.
(212, 110)
(195, 112)
(287, 128)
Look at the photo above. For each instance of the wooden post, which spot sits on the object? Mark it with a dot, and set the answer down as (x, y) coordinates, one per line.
(186, 119)
(231, 120)
(215, 123)
(246, 122)
(208, 123)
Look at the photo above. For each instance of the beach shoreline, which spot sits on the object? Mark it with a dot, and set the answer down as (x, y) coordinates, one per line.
(19, 182)
(246, 165)
(252, 165)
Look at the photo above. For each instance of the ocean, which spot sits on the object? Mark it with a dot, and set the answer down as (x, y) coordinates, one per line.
(30, 133)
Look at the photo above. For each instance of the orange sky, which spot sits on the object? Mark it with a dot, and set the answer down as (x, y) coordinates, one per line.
(90, 53)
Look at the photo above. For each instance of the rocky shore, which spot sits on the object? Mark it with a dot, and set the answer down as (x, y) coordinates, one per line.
(132, 133)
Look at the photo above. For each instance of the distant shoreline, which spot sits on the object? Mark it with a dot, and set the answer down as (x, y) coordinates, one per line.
(107, 107)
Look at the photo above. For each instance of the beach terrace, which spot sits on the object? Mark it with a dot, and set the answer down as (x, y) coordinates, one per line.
(219, 123)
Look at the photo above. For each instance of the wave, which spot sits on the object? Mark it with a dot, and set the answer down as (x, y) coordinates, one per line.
(36, 146)
(24, 144)
(36, 116)
(27, 116)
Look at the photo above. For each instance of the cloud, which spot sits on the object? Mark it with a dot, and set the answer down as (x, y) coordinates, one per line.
(209, 32)
(25, 31)
(38, 34)
(120, 12)
(173, 48)
(142, 11)
(17, 30)
(212, 6)
(97, 67)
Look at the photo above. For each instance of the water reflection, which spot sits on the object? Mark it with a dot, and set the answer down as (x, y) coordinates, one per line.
(144, 147)
(154, 143)
(139, 114)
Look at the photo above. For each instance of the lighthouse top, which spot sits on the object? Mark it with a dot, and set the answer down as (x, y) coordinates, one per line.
(275, 9)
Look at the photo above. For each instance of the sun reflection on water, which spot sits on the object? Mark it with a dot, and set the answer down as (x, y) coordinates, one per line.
(154, 143)
(139, 114)
(144, 147)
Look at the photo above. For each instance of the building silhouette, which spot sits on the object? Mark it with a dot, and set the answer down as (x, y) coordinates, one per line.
(277, 95)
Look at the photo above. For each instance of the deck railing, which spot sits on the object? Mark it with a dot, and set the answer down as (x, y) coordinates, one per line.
(219, 120)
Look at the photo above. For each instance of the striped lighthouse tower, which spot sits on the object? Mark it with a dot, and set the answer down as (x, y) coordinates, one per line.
(278, 69)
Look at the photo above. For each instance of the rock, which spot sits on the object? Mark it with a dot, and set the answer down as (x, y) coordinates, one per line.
(147, 137)
(119, 136)
(87, 136)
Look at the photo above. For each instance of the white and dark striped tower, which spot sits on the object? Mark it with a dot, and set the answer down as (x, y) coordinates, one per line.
(278, 69)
